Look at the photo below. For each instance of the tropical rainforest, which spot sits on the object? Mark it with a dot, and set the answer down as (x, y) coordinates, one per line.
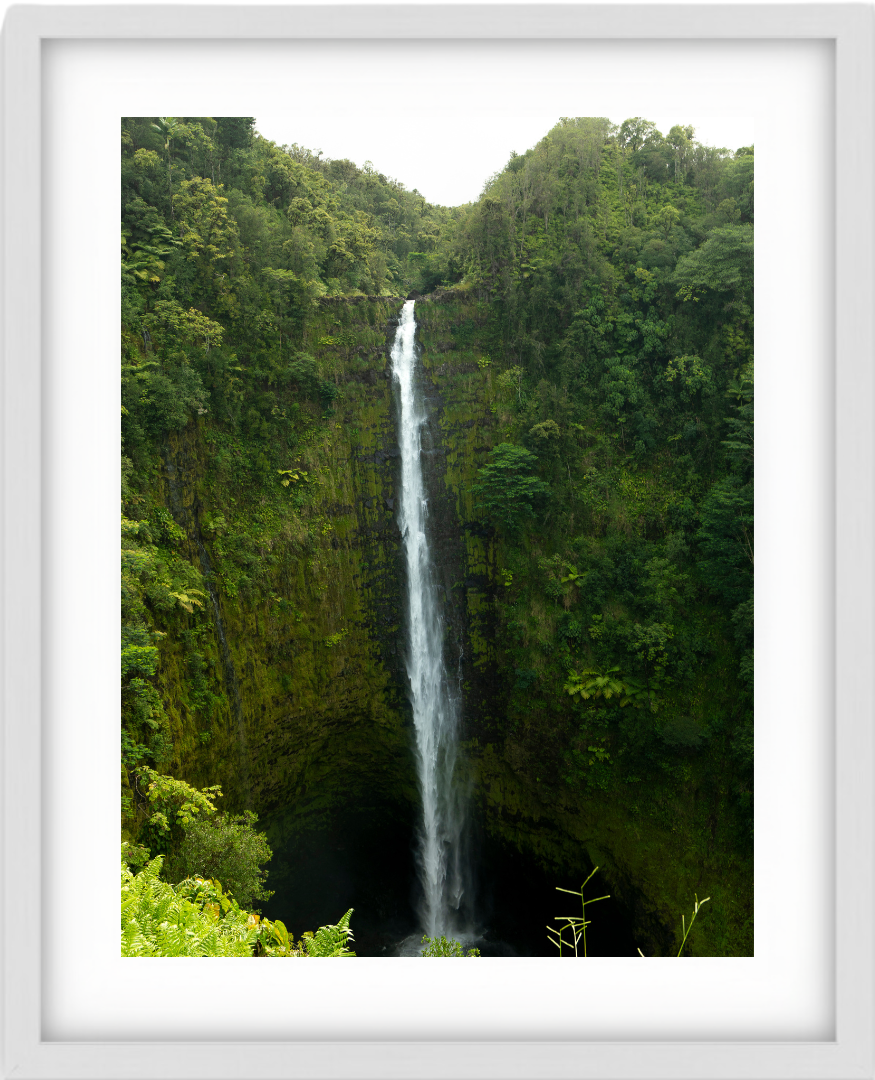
(585, 330)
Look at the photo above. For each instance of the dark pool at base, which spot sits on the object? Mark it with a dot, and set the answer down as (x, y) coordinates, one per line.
(366, 862)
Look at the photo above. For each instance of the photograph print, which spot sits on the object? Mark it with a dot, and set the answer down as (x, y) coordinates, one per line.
(436, 544)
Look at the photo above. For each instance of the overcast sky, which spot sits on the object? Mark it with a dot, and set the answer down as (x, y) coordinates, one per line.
(448, 156)
(442, 116)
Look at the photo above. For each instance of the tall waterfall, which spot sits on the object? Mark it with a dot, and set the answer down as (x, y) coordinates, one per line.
(435, 704)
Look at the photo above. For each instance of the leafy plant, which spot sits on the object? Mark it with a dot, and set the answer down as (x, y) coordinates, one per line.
(608, 684)
(292, 476)
(442, 946)
(276, 941)
(330, 940)
(159, 919)
(174, 805)
(170, 795)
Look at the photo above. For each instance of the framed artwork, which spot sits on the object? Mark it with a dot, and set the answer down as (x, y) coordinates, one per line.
(803, 1004)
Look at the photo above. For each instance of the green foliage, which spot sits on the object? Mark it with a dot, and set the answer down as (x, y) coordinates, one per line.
(621, 387)
(155, 583)
(740, 427)
(506, 490)
(725, 539)
(442, 946)
(683, 732)
(159, 919)
(276, 941)
(171, 796)
(690, 375)
(170, 807)
(608, 685)
(196, 917)
(170, 320)
(723, 264)
(139, 660)
(328, 941)
(618, 267)
(331, 940)
(228, 848)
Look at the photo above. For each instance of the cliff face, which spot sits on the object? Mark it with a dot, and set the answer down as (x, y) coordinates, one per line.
(289, 691)
(303, 669)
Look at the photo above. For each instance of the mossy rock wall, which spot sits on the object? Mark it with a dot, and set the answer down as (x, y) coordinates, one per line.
(304, 670)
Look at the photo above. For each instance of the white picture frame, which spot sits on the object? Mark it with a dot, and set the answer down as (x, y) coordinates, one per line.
(26, 1053)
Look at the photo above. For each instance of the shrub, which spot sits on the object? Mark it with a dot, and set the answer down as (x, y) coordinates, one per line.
(231, 851)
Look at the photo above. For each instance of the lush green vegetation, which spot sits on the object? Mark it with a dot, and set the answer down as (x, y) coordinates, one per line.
(159, 919)
(590, 327)
(609, 278)
(197, 918)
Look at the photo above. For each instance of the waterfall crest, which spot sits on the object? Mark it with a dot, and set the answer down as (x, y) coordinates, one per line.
(435, 702)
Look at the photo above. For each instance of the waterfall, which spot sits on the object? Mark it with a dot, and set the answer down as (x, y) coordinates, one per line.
(435, 704)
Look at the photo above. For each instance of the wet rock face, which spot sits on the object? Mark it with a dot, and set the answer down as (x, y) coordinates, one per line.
(466, 595)
(455, 443)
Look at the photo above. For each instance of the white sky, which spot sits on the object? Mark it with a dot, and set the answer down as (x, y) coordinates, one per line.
(443, 116)
(449, 158)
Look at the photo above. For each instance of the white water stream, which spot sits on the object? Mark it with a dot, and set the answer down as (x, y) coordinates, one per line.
(435, 705)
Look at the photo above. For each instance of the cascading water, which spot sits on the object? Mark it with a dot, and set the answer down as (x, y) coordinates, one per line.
(435, 705)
